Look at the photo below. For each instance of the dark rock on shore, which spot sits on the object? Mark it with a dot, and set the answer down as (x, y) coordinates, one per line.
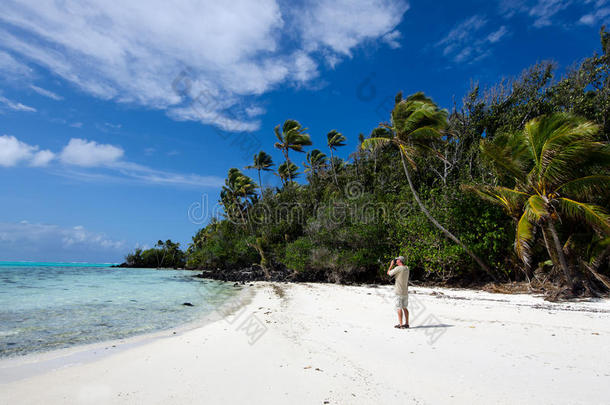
(256, 273)
(188, 304)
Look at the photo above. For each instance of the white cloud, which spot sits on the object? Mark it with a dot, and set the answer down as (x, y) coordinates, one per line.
(461, 34)
(254, 111)
(497, 35)
(16, 106)
(14, 152)
(392, 39)
(305, 67)
(80, 152)
(131, 52)
(545, 13)
(35, 241)
(46, 93)
(598, 16)
(42, 158)
(91, 161)
(78, 235)
(342, 25)
(11, 69)
(467, 42)
(148, 175)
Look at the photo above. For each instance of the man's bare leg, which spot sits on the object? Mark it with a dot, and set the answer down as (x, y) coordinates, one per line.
(406, 311)
(399, 317)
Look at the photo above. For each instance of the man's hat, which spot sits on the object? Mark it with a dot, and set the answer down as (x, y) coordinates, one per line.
(401, 258)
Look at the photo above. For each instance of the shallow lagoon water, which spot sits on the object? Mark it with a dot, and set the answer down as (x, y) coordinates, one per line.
(50, 306)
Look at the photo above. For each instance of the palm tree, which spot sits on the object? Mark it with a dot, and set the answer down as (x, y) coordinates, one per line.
(236, 191)
(316, 160)
(292, 137)
(555, 167)
(379, 132)
(416, 125)
(357, 155)
(334, 139)
(287, 171)
(160, 245)
(262, 161)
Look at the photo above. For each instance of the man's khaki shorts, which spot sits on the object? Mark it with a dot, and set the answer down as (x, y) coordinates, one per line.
(401, 301)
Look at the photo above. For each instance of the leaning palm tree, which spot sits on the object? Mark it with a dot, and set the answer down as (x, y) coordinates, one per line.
(334, 139)
(315, 161)
(237, 190)
(287, 171)
(262, 162)
(555, 167)
(416, 125)
(291, 137)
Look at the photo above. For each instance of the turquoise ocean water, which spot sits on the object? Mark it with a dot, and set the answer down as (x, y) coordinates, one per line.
(45, 306)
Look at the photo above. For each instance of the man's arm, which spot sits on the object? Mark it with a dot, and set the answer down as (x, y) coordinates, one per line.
(390, 268)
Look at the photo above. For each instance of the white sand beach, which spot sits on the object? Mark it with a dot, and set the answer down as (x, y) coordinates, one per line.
(322, 343)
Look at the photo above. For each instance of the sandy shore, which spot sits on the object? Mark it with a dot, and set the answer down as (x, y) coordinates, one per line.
(312, 343)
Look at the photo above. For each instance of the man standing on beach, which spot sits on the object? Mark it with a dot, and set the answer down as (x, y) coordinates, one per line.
(401, 288)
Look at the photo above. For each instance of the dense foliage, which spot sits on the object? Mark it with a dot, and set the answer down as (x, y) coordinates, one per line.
(413, 187)
(164, 255)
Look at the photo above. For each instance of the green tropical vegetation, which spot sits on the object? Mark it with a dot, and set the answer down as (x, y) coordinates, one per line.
(512, 184)
(163, 255)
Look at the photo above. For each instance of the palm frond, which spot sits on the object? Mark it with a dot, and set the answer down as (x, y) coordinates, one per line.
(419, 96)
(335, 139)
(278, 135)
(502, 158)
(291, 126)
(536, 208)
(426, 135)
(408, 152)
(375, 143)
(537, 131)
(586, 187)
(561, 167)
(594, 215)
(261, 161)
(524, 239)
(287, 170)
(315, 161)
(511, 200)
(417, 116)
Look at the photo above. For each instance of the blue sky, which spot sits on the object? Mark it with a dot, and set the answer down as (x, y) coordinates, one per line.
(118, 120)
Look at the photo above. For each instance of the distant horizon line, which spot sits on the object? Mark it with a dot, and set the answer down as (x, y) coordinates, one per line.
(54, 263)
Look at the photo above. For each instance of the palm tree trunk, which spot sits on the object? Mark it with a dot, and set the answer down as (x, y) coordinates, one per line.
(257, 245)
(332, 165)
(163, 257)
(438, 225)
(241, 214)
(374, 167)
(549, 248)
(260, 183)
(288, 165)
(599, 259)
(594, 266)
(560, 255)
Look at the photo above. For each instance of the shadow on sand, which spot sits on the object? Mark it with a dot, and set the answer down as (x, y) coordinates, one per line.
(440, 325)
